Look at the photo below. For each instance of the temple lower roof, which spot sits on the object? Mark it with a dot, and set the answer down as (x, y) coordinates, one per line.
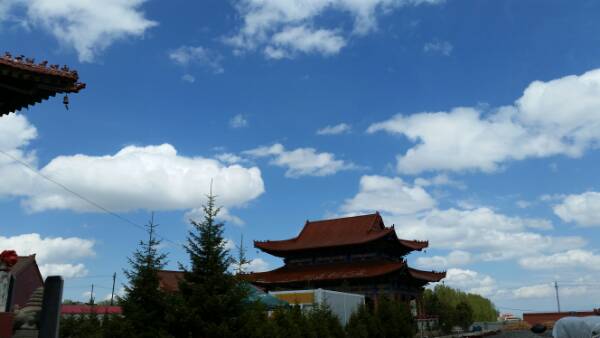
(339, 271)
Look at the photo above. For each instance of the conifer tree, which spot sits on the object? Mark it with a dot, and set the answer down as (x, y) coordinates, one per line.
(213, 297)
(144, 304)
(241, 261)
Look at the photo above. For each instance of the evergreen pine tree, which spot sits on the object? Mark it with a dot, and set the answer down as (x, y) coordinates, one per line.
(241, 261)
(144, 304)
(213, 297)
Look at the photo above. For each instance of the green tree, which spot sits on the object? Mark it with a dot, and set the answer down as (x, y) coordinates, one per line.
(395, 318)
(363, 324)
(322, 323)
(144, 304)
(213, 297)
(463, 315)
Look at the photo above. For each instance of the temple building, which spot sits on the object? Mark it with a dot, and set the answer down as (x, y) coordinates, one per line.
(353, 254)
(24, 83)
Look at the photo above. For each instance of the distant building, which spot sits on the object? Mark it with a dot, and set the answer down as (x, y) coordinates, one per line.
(78, 310)
(24, 83)
(533, 318)
(168, 280)
(20, 282)
(353, 254)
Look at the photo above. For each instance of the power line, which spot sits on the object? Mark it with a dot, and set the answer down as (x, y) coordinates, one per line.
(80, 196)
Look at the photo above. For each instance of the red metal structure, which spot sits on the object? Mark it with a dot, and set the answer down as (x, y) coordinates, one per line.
(352, 254)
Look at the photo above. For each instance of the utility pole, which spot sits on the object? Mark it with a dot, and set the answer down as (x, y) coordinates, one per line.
(92, 295)
(112, 294)
(557, 298)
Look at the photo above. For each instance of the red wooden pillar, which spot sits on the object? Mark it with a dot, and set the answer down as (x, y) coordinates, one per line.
(6, 324)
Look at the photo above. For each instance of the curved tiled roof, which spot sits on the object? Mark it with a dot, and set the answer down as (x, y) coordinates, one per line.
(289, 274)
(430, 276)
(337, 232)
(24, 83)
(340, 271)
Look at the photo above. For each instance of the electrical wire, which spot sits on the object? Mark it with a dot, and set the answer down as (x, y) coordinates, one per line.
(81, 197)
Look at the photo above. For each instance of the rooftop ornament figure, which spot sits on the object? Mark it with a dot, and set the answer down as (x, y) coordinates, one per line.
(8, 258)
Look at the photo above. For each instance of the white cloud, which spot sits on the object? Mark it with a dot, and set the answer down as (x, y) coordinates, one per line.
(305, 40)
(64, 270)
(301, 161)
(547, 290)
(257, 265)
(238, 121)
(188, 55)
(453, 259)
(335, 130)
(583, 209)
(151, 177)
(441, 179)
(285, 27)
(571, 259)
(197, 214)
(477, 234)
(88, 26)
(471, 281)
(229, 158)
(487, 235)
(53, 254)
(558, 117)
(189, 78)
(442, 47)
(386, 194)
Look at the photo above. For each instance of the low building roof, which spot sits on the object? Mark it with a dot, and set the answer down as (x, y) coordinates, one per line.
(337, 232)
(24, 83)
(169, 280)
(78, 309)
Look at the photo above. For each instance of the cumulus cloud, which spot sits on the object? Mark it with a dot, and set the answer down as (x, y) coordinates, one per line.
(441, 47)
(197, 214)
(54, 255)
(571, 259)
(151, 177)
(477, 234)
(454, 259)
(304, 40)
(87, 26)
(301, 161)
(283, 28)
(546, 290)
(387, 194)
(189, 78)
(257, 265)
(335, 130)
(558, 117)
(439, 180)
(238, 121)
(190, 55)
(486, 234)
(64, 270)
(583, 209)
(471, 281)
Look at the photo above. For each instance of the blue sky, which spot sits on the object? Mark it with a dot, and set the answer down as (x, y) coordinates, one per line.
(473, 124)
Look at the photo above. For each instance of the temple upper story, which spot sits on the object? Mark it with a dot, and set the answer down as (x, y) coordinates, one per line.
(357, 238)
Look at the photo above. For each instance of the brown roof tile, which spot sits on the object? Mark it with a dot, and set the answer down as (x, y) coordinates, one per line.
(288, 274)
(169, 280)
(430, 276)
(24, 83)
(337, 232)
